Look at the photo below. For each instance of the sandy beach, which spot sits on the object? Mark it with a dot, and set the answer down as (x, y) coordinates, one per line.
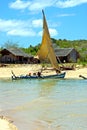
(6, 124)
(5, 72)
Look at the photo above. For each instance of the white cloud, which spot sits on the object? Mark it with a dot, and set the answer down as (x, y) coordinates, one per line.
(66, 15)
(31, 5)
(19, 4)
(41, 4)
(21, 32)
(53, 32)
(37, 23)
(35, 5)
(23, 28)
(18, 27)
(69, 3)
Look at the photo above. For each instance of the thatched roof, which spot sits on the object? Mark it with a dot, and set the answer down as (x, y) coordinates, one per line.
(16, 52)
(62, 51)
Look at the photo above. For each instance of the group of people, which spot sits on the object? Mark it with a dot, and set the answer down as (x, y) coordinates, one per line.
(39, 73)
(35, 74)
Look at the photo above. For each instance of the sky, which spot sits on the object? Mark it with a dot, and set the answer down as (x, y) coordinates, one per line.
(21, 20)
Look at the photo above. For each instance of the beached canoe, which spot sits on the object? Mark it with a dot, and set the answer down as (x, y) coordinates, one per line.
(55, 76)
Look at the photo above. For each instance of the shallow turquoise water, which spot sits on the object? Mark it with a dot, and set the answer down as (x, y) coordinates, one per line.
(45, 104)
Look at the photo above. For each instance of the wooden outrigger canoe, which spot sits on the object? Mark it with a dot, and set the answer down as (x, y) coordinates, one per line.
(55, 76)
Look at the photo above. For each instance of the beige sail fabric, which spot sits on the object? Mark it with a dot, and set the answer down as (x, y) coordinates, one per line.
(46, 49)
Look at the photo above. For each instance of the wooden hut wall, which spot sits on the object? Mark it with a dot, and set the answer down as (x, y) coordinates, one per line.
(10, 58)
(72, 57)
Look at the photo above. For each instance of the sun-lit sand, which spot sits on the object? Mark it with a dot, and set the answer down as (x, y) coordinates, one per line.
(5, 72)
(6, 124)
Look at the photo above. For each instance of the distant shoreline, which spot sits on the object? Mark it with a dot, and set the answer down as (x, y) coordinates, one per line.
(24, 69)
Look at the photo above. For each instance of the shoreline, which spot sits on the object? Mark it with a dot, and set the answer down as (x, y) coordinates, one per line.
(5, 73)
(24, 69)
(6, 124)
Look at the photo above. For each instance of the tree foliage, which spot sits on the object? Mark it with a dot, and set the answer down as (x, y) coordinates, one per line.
(31, 49)
(10, 44)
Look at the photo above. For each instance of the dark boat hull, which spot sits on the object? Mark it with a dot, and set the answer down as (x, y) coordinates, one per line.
(56, 76)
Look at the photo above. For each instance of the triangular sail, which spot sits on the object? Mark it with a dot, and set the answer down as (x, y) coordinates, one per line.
(46, 49)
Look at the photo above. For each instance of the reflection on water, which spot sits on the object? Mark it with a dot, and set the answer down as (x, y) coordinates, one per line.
(47, 87)
(45, 104)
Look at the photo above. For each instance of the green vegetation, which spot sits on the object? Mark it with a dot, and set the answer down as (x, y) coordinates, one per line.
(79, 45)
(10, 44)
(31, 49)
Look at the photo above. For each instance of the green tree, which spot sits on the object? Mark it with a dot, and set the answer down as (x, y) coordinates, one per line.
(10, 44)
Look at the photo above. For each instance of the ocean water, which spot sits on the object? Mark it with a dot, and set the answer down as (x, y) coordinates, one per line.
(45, 104)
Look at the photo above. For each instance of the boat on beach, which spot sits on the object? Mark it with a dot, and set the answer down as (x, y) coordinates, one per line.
(46, 51)
(54, 76)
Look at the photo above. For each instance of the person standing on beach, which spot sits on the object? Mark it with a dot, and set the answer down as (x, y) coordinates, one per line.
(39, 74)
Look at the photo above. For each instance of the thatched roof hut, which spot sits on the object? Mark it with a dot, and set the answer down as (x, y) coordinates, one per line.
(14, 55)
(66, 54)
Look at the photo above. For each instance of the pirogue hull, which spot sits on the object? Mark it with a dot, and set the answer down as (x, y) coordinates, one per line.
(56, 76)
